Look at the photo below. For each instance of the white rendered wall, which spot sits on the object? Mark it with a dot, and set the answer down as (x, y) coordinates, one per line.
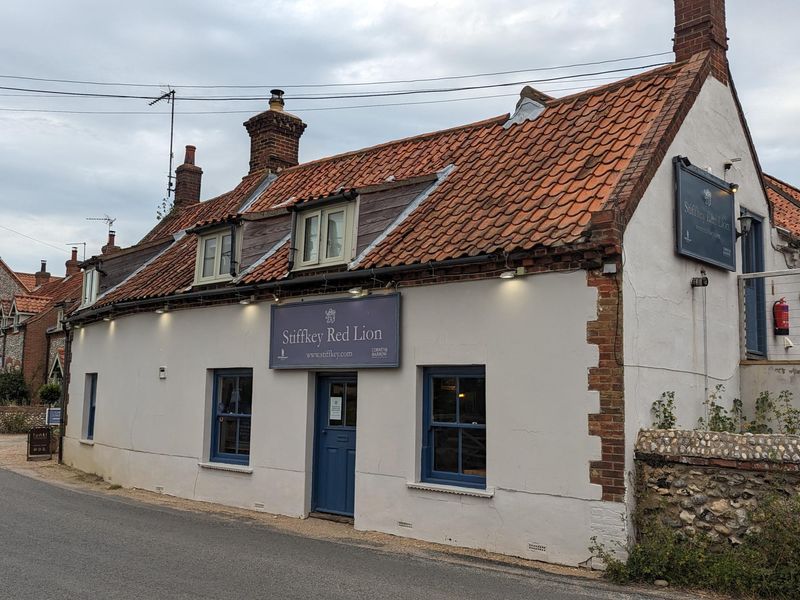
(663, 325)
(530, 333)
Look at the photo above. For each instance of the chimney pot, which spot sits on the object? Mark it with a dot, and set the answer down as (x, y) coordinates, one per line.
(274, 137)
(72, 263)
(188, 180)
(110, 246)
(42, 276)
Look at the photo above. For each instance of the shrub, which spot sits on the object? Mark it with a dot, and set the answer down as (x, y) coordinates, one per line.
(13, 388)
(663, 411)
(14, 423)
(765, 563)
(50, 393)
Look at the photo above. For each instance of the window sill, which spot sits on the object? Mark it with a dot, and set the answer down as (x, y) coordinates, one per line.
(215, 466)
(86, 442)
(451, 489)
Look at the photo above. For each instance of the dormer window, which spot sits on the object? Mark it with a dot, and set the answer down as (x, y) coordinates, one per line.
(325, 236)
(215, 254)
(91, 285)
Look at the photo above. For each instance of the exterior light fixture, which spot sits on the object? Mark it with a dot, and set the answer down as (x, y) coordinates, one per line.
(745, 225)
(163, 309)
(108, 318)
(276, 298)
(507, 275)
(77, 326)
(734, 187)
(356, 291)
(248, 300)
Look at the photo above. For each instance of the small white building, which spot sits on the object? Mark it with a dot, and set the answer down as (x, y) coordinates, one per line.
(453, 337)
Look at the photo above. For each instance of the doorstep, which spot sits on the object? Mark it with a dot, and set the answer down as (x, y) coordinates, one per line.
(331, 517)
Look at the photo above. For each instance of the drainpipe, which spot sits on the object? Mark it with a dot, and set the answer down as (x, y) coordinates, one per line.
(234, 261)
(64, 392)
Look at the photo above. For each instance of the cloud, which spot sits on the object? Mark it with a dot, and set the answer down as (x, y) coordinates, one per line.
(58, 169)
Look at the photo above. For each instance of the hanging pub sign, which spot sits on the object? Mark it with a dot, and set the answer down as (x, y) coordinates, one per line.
(705, 225)
(345, 333)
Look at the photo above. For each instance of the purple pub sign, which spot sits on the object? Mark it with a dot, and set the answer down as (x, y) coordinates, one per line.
(336, 334)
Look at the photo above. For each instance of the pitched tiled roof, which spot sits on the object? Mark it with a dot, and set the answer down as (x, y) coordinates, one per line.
(31, 304)
(203, 212)
(535, 184)
(785, 201)
(27, 279)
(168, 273)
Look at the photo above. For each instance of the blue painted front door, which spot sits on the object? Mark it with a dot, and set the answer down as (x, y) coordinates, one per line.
(335, 464)
(754, 292)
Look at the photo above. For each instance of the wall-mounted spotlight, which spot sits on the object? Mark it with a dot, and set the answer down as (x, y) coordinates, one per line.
(248, 300)
(162, 309)
(108, 318)
(356, 291)
(734, 187)
(511, 273)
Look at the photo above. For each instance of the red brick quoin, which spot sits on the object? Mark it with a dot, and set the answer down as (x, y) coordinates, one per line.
(607, 379)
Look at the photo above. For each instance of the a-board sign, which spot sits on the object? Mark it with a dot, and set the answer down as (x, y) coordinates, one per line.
(342, 333)
(53, 417)
(705, 222)
(39, 443)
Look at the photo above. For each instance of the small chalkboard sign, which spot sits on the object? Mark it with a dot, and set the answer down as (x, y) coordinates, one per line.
(39, 443)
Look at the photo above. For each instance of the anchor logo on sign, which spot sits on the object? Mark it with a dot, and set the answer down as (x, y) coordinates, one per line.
(282, 355)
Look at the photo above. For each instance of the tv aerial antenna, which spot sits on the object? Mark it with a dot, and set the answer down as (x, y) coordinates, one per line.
(106, 219)
(169, 97)
(79, 244)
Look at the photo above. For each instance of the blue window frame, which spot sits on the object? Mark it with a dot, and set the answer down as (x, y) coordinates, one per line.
(230, 429)
(754, 291)
(91, 399)
(454, 426)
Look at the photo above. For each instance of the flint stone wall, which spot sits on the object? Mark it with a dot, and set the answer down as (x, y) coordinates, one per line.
(709, 482)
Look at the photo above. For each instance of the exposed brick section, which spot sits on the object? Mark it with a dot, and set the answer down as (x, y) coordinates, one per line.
(72, 265)
(274, 140)
(607, 378)
(36, 350)
(188, 178)
(700, 27)
(111, 245)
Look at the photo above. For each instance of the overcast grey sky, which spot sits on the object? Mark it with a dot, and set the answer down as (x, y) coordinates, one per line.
(56, 169)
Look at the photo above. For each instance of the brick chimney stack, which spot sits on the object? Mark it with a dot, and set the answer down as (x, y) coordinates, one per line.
(274, 136)
(187, 181)
(700, 26)
(72, 263)
(42, 276)
(110, 246)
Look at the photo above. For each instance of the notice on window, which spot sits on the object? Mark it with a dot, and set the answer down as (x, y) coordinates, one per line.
(335, 409)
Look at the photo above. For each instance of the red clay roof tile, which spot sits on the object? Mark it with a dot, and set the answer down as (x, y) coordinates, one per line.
(785, 201)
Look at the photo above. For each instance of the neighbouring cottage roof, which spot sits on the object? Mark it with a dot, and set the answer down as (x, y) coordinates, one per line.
(535, 184)
(785, 202)
(30, 304)
(27, 279)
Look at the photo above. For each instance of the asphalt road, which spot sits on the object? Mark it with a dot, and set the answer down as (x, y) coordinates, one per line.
(58, 543)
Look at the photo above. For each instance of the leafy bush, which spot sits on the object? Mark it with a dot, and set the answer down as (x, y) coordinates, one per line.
(765, 563)
(13, 388)
(663, 411)
(50, 393)
(718, 418)
(14, 423)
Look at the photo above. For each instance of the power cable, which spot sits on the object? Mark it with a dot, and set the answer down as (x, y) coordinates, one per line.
(60, 249)
(349, 84)
(338, 96)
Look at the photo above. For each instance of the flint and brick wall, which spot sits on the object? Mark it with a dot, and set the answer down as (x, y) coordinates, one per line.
(712, 483)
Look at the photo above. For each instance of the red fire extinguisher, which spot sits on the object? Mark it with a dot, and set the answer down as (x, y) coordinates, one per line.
(780, 312)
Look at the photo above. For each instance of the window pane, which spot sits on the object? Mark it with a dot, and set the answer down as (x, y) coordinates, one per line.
(336, 404)
(226, 401)
(472, 398)
(311, 239)
(473, 452)
(351, 405)
(245, 395)
(445, 449)
(227, 435)
(334, 246)
(244, 436)
(444, 399)
(209, 252)
(225, 256)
